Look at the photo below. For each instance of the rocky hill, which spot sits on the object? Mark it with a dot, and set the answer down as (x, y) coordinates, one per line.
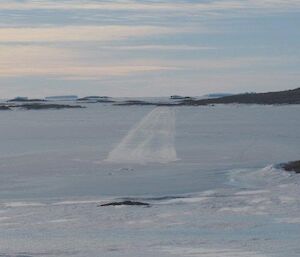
(280, 97)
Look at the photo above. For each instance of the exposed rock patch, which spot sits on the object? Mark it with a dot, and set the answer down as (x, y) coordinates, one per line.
(127, 202)
(269, 98)
(292, 166)
(142, 103)
(24, 100)
(37, 106)
(4, 108)
(281, 97)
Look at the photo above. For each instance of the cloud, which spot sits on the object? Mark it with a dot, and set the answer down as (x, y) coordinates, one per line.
(80, 72)
(65, 63)
(79, 33)
(163, 43)
(159, 47)
(196, 6)
(21, 61)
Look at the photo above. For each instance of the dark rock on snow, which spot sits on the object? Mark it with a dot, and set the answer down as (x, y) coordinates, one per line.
(23, 99)
(269, 98)
(292, 166)
(130, 203)
(280, 97)
(4, 108)
(37, 106)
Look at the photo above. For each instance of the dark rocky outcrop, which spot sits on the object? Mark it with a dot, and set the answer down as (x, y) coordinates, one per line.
(93, 97)
(178, 97)
(281, 97)
(217, 95)
(142, 103)
(96, 99)
(19, 99)
(292, 166)
(134, 102)
(38, 106)
(127, 202)
(4, 108)
(270, 98)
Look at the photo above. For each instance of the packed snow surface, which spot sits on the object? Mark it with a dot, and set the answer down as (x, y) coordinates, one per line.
(208, 173)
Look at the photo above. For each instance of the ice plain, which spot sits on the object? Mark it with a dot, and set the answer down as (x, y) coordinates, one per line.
(209, 174)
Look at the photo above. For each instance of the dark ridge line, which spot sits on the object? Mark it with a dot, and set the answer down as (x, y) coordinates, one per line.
(269, 98)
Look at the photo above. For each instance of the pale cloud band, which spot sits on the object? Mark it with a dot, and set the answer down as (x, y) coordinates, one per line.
(211, 5)
(20, 61)
(20, 56)
(179, 45)
(64, 62)
(79, 33)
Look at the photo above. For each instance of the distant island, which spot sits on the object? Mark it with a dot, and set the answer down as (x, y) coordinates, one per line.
(280, 97)
(96, 99)
(25, 99)
(269, 98)
(38, 106)
(178, 97)
(62, 98)
(217, 95)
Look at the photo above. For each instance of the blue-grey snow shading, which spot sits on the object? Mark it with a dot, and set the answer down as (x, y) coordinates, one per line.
(223, 196)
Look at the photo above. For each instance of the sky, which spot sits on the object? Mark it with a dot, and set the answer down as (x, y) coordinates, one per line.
(148, 47)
